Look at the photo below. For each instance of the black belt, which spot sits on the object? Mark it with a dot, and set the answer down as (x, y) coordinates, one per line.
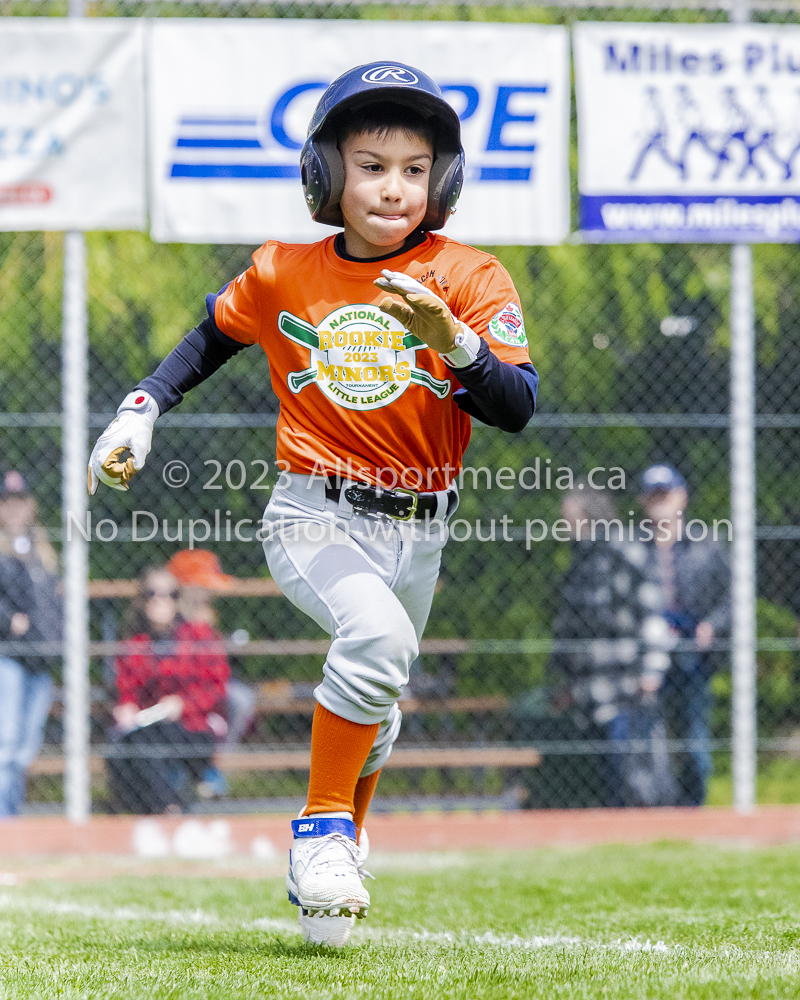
(402, 505)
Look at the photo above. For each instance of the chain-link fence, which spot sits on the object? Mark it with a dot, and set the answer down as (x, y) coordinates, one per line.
(554, 672)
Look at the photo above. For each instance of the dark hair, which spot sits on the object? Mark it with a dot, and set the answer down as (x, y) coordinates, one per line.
(135, 620)
(380, 119)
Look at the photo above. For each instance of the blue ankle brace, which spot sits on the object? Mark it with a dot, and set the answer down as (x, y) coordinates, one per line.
(321, 825)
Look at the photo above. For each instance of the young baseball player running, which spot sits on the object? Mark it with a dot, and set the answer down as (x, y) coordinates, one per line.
(376, 393)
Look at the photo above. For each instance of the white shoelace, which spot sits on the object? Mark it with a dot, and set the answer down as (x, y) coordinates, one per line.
(324, 842)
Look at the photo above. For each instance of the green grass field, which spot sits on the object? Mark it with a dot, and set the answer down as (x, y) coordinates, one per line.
(669, 920)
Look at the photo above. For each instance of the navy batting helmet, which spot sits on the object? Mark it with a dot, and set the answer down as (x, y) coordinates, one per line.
(321, 165)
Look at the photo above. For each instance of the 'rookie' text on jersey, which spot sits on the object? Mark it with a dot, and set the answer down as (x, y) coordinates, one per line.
(354, 386)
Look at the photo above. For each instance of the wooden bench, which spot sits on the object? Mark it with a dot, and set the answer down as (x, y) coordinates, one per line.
(283, 759)
(276, 698)
(255, 586)
(289, 647)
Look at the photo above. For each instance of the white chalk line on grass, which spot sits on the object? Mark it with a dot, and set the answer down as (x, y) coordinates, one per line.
(489, 939)
(190, 918)
(396, 936)
(375, 935)
(785, 962)
(778, 961)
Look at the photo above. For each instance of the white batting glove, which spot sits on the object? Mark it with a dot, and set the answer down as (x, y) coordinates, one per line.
(131, 430)
(402, 284)
(427, 316)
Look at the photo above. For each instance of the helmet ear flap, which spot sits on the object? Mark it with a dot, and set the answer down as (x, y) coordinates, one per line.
(446, 180)
(322, 176)
(314, 178)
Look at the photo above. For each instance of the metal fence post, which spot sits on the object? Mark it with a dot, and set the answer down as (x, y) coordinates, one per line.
(743, 517)
(743, 510)
(739, 12)
(74, 433)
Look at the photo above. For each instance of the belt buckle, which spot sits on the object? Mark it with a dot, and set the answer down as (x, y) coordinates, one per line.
(413, 511)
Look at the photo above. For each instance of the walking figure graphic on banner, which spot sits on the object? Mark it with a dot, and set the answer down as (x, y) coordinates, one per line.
(794, 140)
(765, 133)
(691, 118)
(656, 134)
(734, 130)
(744, 143)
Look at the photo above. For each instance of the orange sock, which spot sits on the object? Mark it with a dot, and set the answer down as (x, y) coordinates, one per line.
(365, 789)
(339, 749)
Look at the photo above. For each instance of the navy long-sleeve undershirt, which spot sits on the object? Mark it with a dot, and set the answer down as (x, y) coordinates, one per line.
(203, 350)
(494, 392)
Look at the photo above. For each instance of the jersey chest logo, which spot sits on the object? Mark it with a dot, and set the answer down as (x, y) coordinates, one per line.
(360, 357)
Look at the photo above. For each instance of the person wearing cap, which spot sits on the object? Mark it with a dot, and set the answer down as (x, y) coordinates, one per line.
(30, 612)
(694, 577)
(200, 577)
(200, 568)
(607, 663)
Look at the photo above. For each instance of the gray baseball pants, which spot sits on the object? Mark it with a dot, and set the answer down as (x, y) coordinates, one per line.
(369, 583)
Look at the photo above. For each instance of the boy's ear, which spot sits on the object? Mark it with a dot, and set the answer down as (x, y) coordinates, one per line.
(322, 175)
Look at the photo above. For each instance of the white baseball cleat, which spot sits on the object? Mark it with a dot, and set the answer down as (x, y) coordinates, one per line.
(324, 930)
(334, 932)
(324, 868)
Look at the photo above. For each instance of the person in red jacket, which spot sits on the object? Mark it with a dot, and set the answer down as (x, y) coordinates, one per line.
(171, 684)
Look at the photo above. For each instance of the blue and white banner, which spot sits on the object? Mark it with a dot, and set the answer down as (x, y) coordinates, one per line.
(229, 104)
(71, 124)
(688, 133)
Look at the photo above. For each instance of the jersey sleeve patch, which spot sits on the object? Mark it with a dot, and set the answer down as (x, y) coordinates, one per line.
(508, 326)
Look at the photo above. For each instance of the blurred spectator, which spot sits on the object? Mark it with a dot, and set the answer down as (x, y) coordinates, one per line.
(171, 702)
(201, 578)
(609, 657)
(30, 611)
(695, 582)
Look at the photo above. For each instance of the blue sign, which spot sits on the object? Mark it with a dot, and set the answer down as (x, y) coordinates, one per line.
(250, 142)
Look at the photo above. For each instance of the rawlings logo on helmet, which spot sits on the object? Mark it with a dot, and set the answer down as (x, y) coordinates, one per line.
(391, 76)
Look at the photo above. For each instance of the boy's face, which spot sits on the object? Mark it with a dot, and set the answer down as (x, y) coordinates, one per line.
(385, 190)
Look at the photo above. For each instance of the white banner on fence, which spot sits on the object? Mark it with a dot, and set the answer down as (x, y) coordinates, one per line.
(71, 124)
(688, 133)
(230, 102)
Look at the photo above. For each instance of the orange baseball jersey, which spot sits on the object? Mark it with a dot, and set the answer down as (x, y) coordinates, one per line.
(358, 393)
